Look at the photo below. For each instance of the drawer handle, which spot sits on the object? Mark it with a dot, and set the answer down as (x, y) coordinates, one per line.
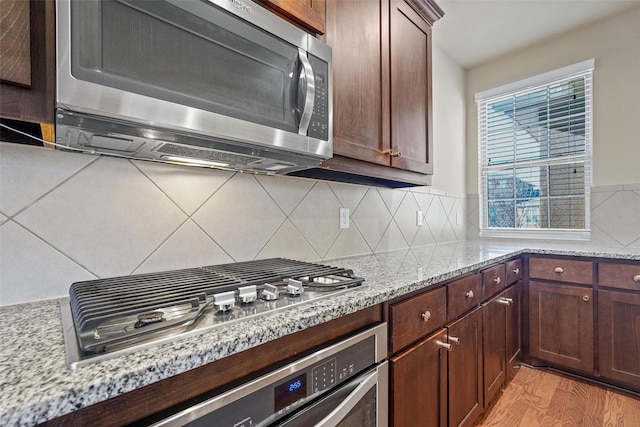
(636, 278)
(559, 270)
(505, 301)
(426, 316)
(586, 298)
(469, 294)
(516, 270)
(444, 345)
(455, 340)
(497, 280)
(392, 153)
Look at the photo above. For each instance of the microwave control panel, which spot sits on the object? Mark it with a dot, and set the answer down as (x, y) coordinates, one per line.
(319, 126)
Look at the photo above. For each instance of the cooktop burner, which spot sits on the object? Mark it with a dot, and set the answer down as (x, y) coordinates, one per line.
(122, 314)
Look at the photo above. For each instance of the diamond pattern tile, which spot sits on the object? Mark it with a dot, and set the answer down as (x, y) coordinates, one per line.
(349, 195)
(459, 211)
(27, 173)
(188, 247)
(392, 239)
(97, 214)
(372, 218)
(188, 187)
(289, 243)
(424, 236)
(424, 200)
(317, 217)
(286, 192)
(240, 217)
(618, 216)
(405, 217)
(31, 270)
(436, 218)
(349, 242)
(393, 198)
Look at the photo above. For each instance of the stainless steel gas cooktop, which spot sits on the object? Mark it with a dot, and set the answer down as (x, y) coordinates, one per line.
(105, 318)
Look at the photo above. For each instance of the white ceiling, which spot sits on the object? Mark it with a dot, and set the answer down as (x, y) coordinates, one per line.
(475, 31)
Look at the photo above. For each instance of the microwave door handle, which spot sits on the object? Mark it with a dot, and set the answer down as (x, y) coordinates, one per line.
(350, 402)
(310, 82)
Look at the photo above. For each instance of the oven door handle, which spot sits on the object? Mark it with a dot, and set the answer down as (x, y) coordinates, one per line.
(350, 401)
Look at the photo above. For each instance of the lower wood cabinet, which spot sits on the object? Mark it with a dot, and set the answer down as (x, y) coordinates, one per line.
(619, 337)
(513, 327)
(465, 369)
(561, 325)
(619, 323)
(419, 384)
(494, 340)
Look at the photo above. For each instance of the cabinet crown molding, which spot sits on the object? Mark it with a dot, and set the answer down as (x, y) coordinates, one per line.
(427, 9)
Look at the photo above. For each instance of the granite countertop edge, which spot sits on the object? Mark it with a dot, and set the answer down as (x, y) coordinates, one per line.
(38, 389)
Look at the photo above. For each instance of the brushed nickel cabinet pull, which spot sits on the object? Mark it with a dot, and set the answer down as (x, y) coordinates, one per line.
(469, 294)
(516, 270)
(392, 153)
(426, 316)
(455, 340)
(505, 301)
(586, 298)
(497, 280)
(559, 270)
(636, 278)
(444, 345)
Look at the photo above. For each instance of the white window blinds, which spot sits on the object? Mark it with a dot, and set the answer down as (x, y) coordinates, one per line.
(535, 155)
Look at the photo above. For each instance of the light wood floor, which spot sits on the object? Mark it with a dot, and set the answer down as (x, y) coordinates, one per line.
(536, 397)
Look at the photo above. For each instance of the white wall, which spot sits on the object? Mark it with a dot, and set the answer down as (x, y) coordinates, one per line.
(615, 45)
(449, 122)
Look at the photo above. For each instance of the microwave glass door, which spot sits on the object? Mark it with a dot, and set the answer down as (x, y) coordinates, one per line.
(190, 53)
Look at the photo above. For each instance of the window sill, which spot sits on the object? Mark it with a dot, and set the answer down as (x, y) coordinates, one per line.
(513, 233)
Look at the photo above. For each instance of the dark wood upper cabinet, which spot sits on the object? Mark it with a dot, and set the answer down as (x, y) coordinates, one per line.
(382, 111)
(27, 50)
(308, 14)
(411, 109)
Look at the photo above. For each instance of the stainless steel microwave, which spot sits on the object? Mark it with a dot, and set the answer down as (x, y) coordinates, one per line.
(221, 83)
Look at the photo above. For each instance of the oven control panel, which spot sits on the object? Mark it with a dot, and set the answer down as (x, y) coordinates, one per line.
(286, 390)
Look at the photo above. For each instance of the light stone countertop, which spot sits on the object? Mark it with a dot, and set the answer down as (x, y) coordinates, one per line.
(36, 385)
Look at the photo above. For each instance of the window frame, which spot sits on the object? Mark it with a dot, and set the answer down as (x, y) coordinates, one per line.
(512, 89)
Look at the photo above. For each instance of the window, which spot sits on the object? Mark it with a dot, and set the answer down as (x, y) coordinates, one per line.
(535, 155)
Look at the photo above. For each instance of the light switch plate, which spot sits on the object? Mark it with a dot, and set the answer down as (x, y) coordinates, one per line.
(419, 218)
(344, 217)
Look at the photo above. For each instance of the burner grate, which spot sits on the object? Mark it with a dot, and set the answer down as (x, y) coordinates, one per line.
(100, 302)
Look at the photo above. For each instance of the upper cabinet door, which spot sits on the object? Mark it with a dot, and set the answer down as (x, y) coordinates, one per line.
(354, 32)
(411, 109)
(310, 14)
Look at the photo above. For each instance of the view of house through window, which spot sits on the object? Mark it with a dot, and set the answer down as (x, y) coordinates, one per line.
(535, 155)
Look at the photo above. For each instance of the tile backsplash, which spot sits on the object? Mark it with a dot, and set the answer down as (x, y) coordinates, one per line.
(66, 217)
(615, 216)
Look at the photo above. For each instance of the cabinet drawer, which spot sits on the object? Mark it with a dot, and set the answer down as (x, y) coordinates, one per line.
(493, 280)
(463, 294)
(621, 276)
(514, 271)
(561, 270)
(417, 317)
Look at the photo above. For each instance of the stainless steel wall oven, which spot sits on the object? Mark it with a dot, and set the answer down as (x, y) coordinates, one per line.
(345, 384)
